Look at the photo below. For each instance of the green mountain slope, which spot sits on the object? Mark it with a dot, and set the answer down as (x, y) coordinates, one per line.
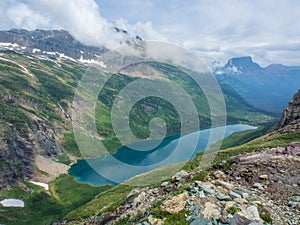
(36, 96)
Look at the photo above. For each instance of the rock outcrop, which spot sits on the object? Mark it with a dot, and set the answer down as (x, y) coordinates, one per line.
(290, 119)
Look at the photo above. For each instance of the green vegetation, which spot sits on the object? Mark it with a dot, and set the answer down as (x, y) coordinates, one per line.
(42, 208)
(177, 218)
(268, 141)
(72, 194)
(266, 217)
(133, 220)
(29, 100)
(144, 110)
(233, 210)
(170, 218)
(69, 144)
(239, 138)
(200, 176)
(64, 159)
(107, 201)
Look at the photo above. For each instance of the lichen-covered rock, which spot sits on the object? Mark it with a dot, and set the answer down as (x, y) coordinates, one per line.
(176, 203)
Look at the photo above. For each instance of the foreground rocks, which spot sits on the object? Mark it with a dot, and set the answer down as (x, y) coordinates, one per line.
(259, 188)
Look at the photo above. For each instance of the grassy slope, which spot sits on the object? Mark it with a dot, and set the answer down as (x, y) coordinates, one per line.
(40, 207)
(53, 82)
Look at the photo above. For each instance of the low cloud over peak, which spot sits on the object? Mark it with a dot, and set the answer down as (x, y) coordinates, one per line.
(217, 30)
(81, 18)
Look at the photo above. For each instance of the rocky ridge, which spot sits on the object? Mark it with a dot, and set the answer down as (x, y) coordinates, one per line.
(290, 119)
(56, 43)
(48, 42)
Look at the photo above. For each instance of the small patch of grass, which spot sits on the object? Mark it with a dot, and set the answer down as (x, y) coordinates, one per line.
(200, 176)
(64, 159)
(233, 210)
(266, 217)
(156, 211)
(69, 144)
(177, 218)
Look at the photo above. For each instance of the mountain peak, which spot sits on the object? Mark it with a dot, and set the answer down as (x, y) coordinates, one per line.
(56, 43)
(240, 65)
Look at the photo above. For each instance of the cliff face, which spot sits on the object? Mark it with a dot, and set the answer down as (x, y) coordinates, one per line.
(43, 42)
(290, 119)
(31, 122)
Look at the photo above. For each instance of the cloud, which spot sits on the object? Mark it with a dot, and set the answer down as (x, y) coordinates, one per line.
(215, 29)
(80, 17)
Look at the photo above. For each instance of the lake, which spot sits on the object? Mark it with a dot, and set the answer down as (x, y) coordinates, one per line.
(128, 162)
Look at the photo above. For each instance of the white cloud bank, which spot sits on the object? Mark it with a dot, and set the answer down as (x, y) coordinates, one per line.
(264, 29)
(80, 17)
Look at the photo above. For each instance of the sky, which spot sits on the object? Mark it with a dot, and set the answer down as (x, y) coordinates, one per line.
(216, 30)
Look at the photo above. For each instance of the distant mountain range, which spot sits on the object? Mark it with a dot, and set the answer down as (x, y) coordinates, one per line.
(267, 88)
(56, 43)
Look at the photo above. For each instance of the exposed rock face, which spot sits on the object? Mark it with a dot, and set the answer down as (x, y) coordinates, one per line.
(290, 119)
(18, 149)
(56, 43)
(42, 41)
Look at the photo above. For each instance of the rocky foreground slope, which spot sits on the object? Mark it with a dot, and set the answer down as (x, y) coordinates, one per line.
(258, 188)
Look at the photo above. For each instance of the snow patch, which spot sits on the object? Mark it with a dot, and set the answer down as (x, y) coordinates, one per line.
(24, 68)
(92, 61)
(43, 185)
(11, 202)
(62, 55)
(35, 50)
(49, 53)
(7, 44)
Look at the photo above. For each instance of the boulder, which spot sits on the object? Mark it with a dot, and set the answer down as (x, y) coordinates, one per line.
(210, 209)
(155, 221)
(246, 217)
(224, 184)
(176, 203)
(201, 221)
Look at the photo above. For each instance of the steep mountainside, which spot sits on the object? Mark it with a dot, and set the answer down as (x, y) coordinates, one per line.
(56, 43)
(35, 99)
(267, 88)
(48, 42)
(290, 119)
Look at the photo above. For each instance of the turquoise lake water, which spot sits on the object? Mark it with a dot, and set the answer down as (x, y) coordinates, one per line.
(127, 162)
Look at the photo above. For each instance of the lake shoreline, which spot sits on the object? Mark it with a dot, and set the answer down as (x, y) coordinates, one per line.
(84, 171)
